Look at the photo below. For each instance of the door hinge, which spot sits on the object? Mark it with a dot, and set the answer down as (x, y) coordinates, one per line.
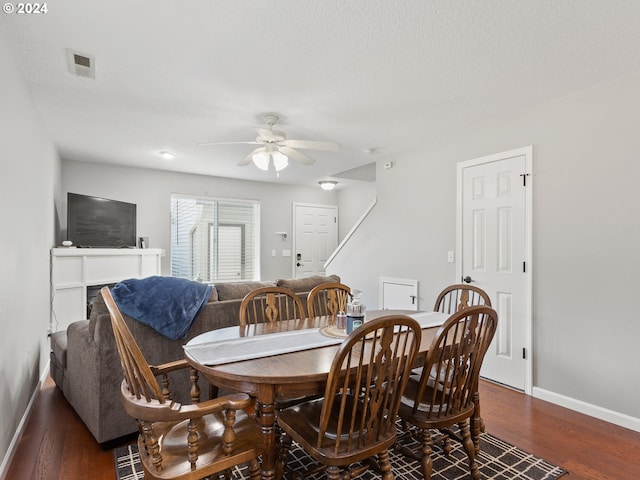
(524, 179)
(524, 353)
(524, 267)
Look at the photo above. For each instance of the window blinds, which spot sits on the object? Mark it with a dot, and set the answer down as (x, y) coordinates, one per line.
(215, 239)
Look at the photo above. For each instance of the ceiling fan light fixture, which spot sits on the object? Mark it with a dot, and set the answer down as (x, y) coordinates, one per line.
(327, 184)
(280, 161)
(261, 160)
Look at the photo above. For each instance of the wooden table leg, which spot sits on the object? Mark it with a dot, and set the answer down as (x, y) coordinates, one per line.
(266, 418)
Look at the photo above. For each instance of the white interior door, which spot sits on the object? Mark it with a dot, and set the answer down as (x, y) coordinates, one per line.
(494, 238)
(315, 239)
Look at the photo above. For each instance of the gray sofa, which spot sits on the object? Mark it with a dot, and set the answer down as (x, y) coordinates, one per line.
(85, 363)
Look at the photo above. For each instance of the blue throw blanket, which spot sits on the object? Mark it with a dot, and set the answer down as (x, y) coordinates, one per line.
(169, 305)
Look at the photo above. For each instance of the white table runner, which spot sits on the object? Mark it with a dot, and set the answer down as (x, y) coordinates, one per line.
(212, 348)
(429, 319)
(258, 346)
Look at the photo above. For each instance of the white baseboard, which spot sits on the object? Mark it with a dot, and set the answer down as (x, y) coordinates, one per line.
(6, 461)
(610, 416)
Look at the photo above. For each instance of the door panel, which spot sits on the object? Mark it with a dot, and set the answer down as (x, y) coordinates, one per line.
(494, 251)
(316, 237)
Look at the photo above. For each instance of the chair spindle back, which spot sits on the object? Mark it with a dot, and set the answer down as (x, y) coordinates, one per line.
(270, 304)
(456, 297)
(328, 299)
(139, 378)
(366, 381)
(450, 375)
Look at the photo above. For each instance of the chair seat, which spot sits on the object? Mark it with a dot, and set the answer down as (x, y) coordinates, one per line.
(426, 409)
(172, 437)
(301, 424)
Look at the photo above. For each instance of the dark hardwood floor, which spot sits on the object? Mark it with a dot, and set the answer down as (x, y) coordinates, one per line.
(57, 445)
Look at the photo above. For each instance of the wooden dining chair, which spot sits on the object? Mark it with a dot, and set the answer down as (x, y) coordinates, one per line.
(355, 420)
(446, 399)
(458, 296)
(328, 299)
(181, 441)
(269, 305)
(453, 299)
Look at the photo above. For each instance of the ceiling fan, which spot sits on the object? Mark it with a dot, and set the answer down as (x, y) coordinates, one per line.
(276, 150)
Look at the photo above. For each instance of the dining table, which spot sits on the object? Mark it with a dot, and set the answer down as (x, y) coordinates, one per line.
(280, 361)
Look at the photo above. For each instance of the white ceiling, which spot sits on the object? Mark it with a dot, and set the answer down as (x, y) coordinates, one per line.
(380, 74)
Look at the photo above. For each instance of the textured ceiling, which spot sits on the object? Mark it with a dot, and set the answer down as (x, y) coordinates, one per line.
(380, 74)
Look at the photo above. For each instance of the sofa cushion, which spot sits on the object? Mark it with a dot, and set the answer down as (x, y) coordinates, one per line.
(305, 284)
(214, 295)
(234, 291)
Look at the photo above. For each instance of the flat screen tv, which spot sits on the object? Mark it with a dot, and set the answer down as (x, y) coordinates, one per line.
(100, 222)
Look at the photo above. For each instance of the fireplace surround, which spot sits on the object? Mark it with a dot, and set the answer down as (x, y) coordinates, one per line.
(78, 273)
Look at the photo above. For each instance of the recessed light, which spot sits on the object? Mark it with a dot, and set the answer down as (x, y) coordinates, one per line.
(327, 184)
(167, 155)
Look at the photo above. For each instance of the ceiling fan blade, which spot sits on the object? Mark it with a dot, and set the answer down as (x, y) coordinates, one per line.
(249, 158)
(228, 143)
(312, 145)
(295, 155)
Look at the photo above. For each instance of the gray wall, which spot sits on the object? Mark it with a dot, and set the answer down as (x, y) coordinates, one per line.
(586, 238)
(353, 201)
(151, 190)
(29, 180)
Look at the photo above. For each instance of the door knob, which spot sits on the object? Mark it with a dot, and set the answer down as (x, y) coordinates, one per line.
(467, 279)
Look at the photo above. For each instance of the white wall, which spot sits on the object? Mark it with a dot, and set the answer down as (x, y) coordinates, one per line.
(151, 190)
(29, 186)
(586, 250)
(353, 201)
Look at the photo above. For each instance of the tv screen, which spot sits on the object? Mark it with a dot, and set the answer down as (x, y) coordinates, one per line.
(100, 222)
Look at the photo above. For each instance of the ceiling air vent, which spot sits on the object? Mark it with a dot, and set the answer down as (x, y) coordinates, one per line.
(81, 64)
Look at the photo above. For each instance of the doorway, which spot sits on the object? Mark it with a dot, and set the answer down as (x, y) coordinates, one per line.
(494, 234)
(315, 238)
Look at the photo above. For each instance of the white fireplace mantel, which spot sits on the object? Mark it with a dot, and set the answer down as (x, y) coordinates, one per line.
(73, 270)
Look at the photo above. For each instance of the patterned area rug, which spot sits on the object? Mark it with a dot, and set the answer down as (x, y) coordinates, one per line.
(498, 460)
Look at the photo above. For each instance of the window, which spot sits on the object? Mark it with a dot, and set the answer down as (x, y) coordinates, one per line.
(215, 239)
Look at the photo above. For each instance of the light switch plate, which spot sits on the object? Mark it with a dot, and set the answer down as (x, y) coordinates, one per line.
(450, 256)
(286, 253)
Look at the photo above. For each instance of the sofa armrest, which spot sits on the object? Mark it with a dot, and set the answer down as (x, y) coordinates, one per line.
(93, 372)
